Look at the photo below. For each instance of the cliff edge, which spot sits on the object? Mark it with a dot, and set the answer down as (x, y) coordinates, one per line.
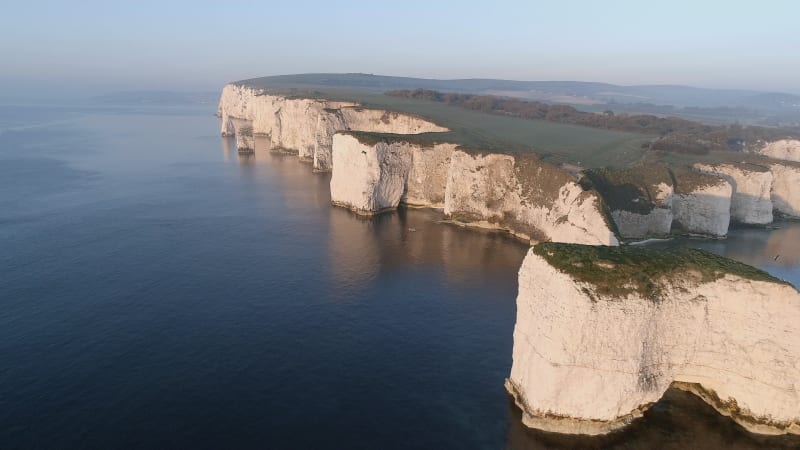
(520, 194)
(602, 332)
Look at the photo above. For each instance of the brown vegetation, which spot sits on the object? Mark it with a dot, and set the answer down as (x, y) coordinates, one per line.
(671, 134)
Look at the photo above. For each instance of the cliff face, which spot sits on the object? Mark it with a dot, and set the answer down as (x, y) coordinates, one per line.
(589, 358)
(528, 198)
(306, 126)
(751, 201)
(372, 178)
(522, 195)
(640, 199)
(532, 199)
(788, 149)
(786, 188)
(701, 204)
(427, 180)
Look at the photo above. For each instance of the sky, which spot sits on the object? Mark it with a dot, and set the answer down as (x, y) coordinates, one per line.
(80, 46)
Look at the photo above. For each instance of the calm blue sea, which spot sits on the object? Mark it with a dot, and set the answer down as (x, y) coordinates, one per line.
(159, 290)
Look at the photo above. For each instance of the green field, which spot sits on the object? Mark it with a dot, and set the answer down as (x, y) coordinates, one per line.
(555, 143)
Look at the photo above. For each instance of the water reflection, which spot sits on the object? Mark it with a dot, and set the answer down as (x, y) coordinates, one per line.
(775, 249)
(415, 238)
(678, 421)
(228, 148)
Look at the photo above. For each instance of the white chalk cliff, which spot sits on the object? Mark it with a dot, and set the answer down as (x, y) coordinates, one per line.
(371, 178)
(701, 204)
(786, 188)
(531, 199)
(787, 149)
(306, 126)
(751, 201)
(589, 361)
(656, 223)
(639, 198)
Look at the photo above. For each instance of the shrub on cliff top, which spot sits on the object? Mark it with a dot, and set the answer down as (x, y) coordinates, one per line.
(617, 272)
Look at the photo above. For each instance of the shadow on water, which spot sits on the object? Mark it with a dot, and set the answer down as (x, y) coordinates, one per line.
(679, 420)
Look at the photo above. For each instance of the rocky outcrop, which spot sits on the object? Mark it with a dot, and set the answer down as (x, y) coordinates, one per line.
(305, 125)
(752, 185)
(245, 143)
(701, 203)
(787, 149)
(372, 177)
(786, 188)
(640, 199)
(527, 197)
(602, 332)
(426, 184)
(377, 174)
(521, 195)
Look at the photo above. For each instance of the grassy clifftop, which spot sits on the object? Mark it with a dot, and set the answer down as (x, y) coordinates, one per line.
(619, 271)
(553, 142)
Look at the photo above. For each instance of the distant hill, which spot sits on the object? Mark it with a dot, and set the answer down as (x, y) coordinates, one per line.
(710, 105)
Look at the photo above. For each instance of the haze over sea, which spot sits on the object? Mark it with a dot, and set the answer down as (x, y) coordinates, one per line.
(159, 290)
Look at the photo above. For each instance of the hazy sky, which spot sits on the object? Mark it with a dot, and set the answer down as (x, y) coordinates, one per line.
(115, 45)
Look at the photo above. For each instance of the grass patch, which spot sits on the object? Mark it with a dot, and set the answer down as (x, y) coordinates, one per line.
(687, 180)
(620, 271)
(553, 142)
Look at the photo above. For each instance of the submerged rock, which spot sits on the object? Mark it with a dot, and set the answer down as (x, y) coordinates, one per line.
(602, 332)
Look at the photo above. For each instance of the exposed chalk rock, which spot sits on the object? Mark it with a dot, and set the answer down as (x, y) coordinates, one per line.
(751, 201)
(640, 199)
(788, 149)
(602, 332)
(701, 203)
(369, 178)
(427, 180)
(375, 175)
(525, 196)
(329, 122)
(380, 121)
(786, 188)
(306, 126)
(245, 141)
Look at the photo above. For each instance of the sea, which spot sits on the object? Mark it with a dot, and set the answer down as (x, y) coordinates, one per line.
(159, 290)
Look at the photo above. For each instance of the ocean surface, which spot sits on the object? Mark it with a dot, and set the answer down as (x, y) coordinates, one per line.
(159, 290)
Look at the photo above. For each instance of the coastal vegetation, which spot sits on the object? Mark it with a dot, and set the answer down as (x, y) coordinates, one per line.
(552, 142)
(621, 271)
(673, 134)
